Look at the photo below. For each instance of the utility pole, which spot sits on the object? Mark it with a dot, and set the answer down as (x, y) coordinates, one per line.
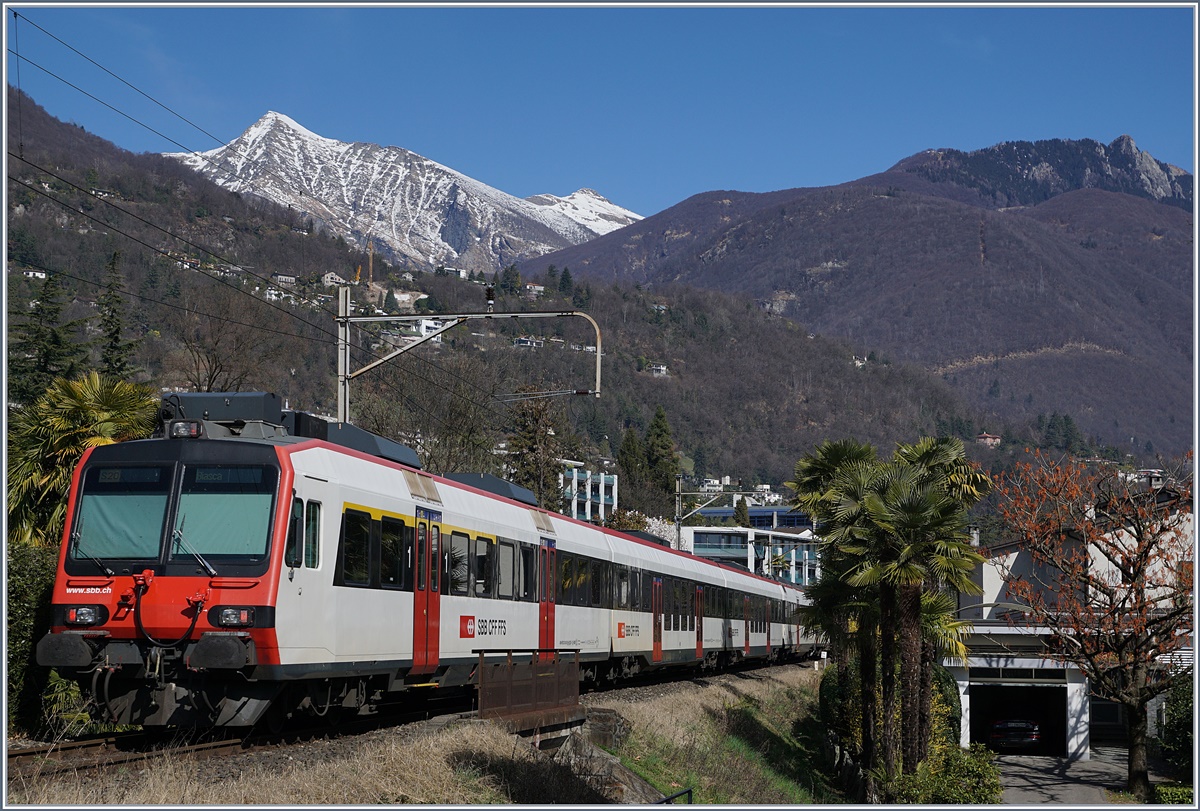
(344, 320)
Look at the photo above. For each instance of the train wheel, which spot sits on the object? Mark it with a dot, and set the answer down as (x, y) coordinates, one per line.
(276, 716)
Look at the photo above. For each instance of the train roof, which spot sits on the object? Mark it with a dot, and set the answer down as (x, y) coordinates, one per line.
(260, 416)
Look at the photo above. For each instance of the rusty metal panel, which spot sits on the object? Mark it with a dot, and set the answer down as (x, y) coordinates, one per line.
(537, 687)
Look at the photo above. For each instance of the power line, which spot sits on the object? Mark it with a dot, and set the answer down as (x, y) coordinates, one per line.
(171, 140)
(115, 76)
(485, 407)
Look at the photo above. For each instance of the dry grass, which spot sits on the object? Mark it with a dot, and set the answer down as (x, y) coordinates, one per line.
(465, 764)
(734, 742)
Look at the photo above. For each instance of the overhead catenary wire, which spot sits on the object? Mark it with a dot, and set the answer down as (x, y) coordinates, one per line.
(156, 132)
(504, 399)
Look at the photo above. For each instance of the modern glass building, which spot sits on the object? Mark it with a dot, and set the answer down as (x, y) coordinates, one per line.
(790, 556)
(588, 495)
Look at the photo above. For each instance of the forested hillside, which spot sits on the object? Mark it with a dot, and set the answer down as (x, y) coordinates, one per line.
(1081, 304)
(745, 392)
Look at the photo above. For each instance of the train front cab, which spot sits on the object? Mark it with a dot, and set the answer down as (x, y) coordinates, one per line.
(163, 600)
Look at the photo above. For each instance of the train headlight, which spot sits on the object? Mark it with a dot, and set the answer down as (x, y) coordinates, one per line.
(234, 617)
(84, 615)
(186, 429)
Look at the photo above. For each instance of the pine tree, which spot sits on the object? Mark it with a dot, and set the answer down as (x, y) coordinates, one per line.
(631, 460)
(565, 283)
(662, 463)
(741, 513)
(40, 348)
(115, 351)
(510, 281)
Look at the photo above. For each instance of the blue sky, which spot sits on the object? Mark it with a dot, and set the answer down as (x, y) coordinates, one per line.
(646, 105)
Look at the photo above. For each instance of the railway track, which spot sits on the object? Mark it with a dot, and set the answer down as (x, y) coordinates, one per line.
(106, 751)
(123, 749)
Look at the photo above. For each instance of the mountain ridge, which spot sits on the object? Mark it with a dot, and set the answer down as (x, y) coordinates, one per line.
(413, 209)
(936, 269)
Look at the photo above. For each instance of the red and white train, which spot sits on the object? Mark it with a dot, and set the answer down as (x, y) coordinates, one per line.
(250, 558)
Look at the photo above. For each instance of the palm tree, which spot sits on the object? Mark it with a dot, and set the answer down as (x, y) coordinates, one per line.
(941, 638)
(47, 438)
(900, 527)
(832, 485)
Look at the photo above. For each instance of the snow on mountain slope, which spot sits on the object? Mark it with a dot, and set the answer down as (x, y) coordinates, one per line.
(404, 203)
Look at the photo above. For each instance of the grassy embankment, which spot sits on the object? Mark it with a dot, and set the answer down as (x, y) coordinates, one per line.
(749, 739)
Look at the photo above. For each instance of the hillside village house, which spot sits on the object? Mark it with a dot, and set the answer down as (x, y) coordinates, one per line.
(1009, 675)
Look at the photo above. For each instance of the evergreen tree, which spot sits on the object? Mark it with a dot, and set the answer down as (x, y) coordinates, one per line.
(115, 351)
(551, 278)
(565, 283)
(741, 513)
(631, 460)
(40, 347)
(662, 463)
(510, 281)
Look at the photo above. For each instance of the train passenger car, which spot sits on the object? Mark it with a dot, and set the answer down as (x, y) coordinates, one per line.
(250, 561)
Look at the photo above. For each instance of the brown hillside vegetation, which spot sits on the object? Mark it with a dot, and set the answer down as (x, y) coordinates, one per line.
(933, 274)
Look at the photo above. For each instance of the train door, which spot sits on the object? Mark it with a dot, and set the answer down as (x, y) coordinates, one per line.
(656, 609)
(767, 616)
(699, 622)
(547, 580)
(746, 625)
(301, 588)
(427, 592)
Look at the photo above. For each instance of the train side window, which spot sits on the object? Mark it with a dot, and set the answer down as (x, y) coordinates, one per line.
(460, 545)
(483, 566)
(565, 571)
(422, 531)
(435, 557)
(391, 553)
(527, 584)
(635, 589)
(647, 588)
(356, 548)
(597, 583)
(583, 579)
(622, 597)
(312, 535)
(408, 561)
(504, 574)
(295, 538)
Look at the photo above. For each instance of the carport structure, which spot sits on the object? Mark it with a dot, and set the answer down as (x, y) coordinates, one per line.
(1008, 676)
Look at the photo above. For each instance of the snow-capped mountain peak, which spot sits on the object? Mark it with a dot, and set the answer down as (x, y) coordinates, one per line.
(417, 208)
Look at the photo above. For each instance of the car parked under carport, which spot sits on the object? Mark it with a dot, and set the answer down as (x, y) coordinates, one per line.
(1043, 704)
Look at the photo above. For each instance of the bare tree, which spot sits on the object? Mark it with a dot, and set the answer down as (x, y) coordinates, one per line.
(1111, 578)
(229, 339)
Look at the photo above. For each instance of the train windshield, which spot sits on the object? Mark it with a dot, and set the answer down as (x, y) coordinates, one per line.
(121, 513)
(218, 520)
(224, 514)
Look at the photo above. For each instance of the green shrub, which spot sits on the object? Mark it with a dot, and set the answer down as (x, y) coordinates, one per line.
(1173, 795)
(955, 776)
(30, 584)
(1179, 709)
(829, 696)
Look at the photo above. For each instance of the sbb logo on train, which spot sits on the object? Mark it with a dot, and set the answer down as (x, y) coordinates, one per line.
(470, 628)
